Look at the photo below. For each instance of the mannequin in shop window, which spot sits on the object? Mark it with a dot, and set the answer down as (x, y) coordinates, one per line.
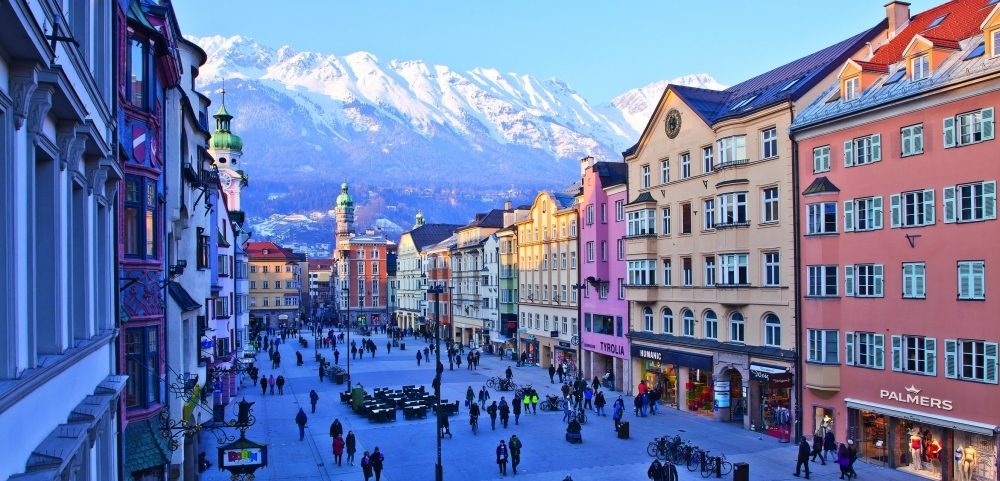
(916, 447)
(967, 462)
(932, 449)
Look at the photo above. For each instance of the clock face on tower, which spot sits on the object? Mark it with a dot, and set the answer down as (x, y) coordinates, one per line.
(673, 123)
(225, 179)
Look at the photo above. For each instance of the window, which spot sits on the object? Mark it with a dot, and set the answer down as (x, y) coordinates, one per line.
(912, 139)
(647, 317)
(970, 202)
(619, 210)
(970, 360)
(914, 354)
(912, 209)
(645, 176)
(733, 269)
(642, 273)
(686, 218)
(863, 214)
(968, 128)
(572, 260)
(204, 248)
(687, 318)
(921, 67)
(621, 288)
(822, 346)
(641, 222)
(733, 209)
(265, 301)
(863, 280)
(864, 349)
(562, 258)
(140, 219)
(667, 274)
(137, 71)
(707, 160)
(821, 218)
(769, 202)
(142, 365)
(769, 143)
(590, 214)
(996, 42)
(732, 150)
(971, 280)
(772, 269)
(665, 219)
(914, 280)
(821, 159)
(822, 281)
(686, 275)
(621, 249)
(708, 219)
(709, 271)
(602, 290)
(711, 325)
(667, 316)
(604, 213)
(267, 284)
(664, 171)
(590, 253)
(253, 284)
(604, 253)
(772, 331)
(737, 327)
(852, 88)
(685, 165)
(863, 150)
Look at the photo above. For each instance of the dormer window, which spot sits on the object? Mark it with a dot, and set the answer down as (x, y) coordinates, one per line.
(921, 67)
(996, 43)
(852, 88)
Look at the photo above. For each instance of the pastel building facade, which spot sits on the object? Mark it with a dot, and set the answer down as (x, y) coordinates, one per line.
(472, 280)
(897, 173)
(412, 310)
(274, 284)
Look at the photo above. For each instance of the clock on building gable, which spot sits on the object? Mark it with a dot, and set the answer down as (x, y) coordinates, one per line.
(673, 123)
(225, 179)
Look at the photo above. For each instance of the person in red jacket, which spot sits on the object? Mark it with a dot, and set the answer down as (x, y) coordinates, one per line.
(338, 449)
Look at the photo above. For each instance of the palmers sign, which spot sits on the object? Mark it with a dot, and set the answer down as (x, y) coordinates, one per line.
(911, 395)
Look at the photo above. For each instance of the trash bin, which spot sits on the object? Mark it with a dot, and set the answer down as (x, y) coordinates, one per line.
(402, 346)
(623, 430)
(339, 377)
(741, 472)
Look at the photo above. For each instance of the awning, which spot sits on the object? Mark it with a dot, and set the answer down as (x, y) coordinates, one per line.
(935, 419)
(144, 446)
(182, 298)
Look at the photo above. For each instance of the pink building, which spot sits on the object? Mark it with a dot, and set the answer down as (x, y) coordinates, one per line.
(897, 170)
(601, 210)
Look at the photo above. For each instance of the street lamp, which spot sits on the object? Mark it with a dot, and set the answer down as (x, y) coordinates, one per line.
(579, 327)
(437, 290)
(345, 256)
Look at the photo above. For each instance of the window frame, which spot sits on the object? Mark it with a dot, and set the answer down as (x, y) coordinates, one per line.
(911, 140)
(686, 165)
(819, 215)
(664, 171)
(822, 345)
(770, 206)
(920, 67)
(772, 330)
(739, 325)
(852, 88)
(707, 159)
(914, 278)
(708, 214)
(969, 285)
(769, 144)
(644, 175)
(826, 288)
(772, 269)
(821, 159)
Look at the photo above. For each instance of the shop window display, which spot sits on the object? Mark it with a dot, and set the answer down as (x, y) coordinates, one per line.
(664, 379)
(873, 444)
(918, 448)
(699, 391)
(975, 458)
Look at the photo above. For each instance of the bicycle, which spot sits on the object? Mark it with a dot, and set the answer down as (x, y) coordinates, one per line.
(579, 415)
(474, 422)
(696, 459)
(715, 462)
(553, 403)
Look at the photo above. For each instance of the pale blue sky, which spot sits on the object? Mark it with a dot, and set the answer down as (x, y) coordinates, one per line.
(599, 48)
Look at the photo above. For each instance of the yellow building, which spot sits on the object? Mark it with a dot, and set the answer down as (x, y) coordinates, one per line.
(275, 284)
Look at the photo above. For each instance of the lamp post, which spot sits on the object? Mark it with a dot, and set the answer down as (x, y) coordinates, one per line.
(579, 328)
(345, 256)
(437, 290)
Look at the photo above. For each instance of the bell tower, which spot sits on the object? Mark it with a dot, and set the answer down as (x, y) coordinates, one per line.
(344, 212)
(227, 149)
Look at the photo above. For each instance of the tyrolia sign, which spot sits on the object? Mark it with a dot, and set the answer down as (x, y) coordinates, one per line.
(911, 395)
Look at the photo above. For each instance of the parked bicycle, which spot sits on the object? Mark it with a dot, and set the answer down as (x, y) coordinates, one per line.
(553, 403)
(579, 415)
(713, 463)
(501, 384)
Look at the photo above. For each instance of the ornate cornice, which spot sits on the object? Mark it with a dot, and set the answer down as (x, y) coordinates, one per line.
(23, 83)
(71, 145)
(38, 108)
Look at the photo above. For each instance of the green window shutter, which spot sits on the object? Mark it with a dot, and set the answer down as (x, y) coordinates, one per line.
(878, 271)
(990, 200)
(877, 208)
(876, 147)
(930, 355)
(848, 153)
(951, 358)
(897, 353)
(978, 276)
(929, 207)
(908, 281)
(849, 280)
(848, 216)
(879, 351)
(849, 348)
(949, 205)
(907, 141)
(894, 210)
(986, 123)
(990, 353)
(918, 139)
(949, 132)
(920, 281)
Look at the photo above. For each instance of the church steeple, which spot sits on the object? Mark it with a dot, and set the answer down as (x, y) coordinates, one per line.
(344, 212)
(226, 149)
(223, 138)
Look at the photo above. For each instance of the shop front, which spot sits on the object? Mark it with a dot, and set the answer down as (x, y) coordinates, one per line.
(683, 379)
(565, 355)
(530, 348)
(770, 405)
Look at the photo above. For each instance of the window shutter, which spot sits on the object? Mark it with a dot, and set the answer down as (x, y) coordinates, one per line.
(849, 348)
(930, 355)
(879, 351)
(951, 358)
(919, 283)
(907, 141)
(876, 147)
(877, 208)
(949, 132)
(990, 200)
(978, 272)
(929, 207)
(894, 210)
(949, 205)
(908, 280)
(990, 353)
(986, 123)
(849, 216)
(878, 271)
(848, 153)
(849, 280)
(897, 353)
(964, 274)
(918, 139)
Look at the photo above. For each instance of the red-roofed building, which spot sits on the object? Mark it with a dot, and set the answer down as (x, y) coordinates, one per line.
(275, 278)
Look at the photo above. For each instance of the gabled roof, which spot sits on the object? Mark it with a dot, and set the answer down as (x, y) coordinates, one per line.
(821, 185)
(429, 234)
(962, 19)
(274, 252)
(493, 219)
(643, 198)
(320, 264)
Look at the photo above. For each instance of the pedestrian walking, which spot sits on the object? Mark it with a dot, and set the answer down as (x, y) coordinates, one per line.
(388, 347)
(351, 445)
(313, 399)
(298, 358)
(263, 386)
(492, 411)
(567, 409)
(515, 405)
(427, 354)
(852, 456)
(562, 373)
(366, 465)
(817, 447)
(502, 455)
(336, 429)
(509, 373)
(514, 445)
(376, 459)
(338, 450)
(843, 461)
(458, 360)
(301, 420)
(484, 396)
(588, 398)
(653, 396)
(655, 471)
(552, 372)
(617, 414)
(527, 402)
(322, 372)
(504, 412)
(803, 458)
(354, 352)
(637, 404)
(280, 382)
(336, 356)
(599, 403)
(534, 402)
(829, 444)
(270, 382)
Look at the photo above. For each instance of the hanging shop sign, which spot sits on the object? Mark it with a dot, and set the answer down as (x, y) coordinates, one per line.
(242, 456)
(911, 395)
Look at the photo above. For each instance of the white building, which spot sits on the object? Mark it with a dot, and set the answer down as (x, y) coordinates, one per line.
(470, 279)
(411, 271)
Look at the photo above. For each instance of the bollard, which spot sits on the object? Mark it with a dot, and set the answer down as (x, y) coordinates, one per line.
(718, 467)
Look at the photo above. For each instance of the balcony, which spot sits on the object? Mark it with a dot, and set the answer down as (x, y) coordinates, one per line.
(642, 293)
(822, 377)
(732, 225)
(640, 245)
(730, 164)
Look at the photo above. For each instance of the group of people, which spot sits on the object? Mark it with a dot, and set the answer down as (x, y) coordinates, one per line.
(824, 442)
(509, 450)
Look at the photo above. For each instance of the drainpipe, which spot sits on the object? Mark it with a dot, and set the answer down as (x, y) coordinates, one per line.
(797, 289)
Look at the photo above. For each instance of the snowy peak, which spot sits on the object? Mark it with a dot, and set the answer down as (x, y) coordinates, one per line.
(637, 105)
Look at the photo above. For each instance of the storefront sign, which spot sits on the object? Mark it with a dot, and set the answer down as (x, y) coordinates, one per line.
(242, 457)
(612, 349)
(667, 356)
(563, 344)
(722, 394)
(911, 395)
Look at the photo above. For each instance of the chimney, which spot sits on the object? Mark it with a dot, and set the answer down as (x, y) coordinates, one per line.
(898, 14)
(584, 164)
(507, 205)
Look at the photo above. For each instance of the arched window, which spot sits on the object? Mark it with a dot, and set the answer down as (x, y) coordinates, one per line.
(772, 331)
(737, 327)
(668, 320)
(647, 316)
(688, 319)
(711, 325)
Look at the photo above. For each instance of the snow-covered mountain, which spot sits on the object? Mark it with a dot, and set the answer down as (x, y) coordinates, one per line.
(637, 105)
